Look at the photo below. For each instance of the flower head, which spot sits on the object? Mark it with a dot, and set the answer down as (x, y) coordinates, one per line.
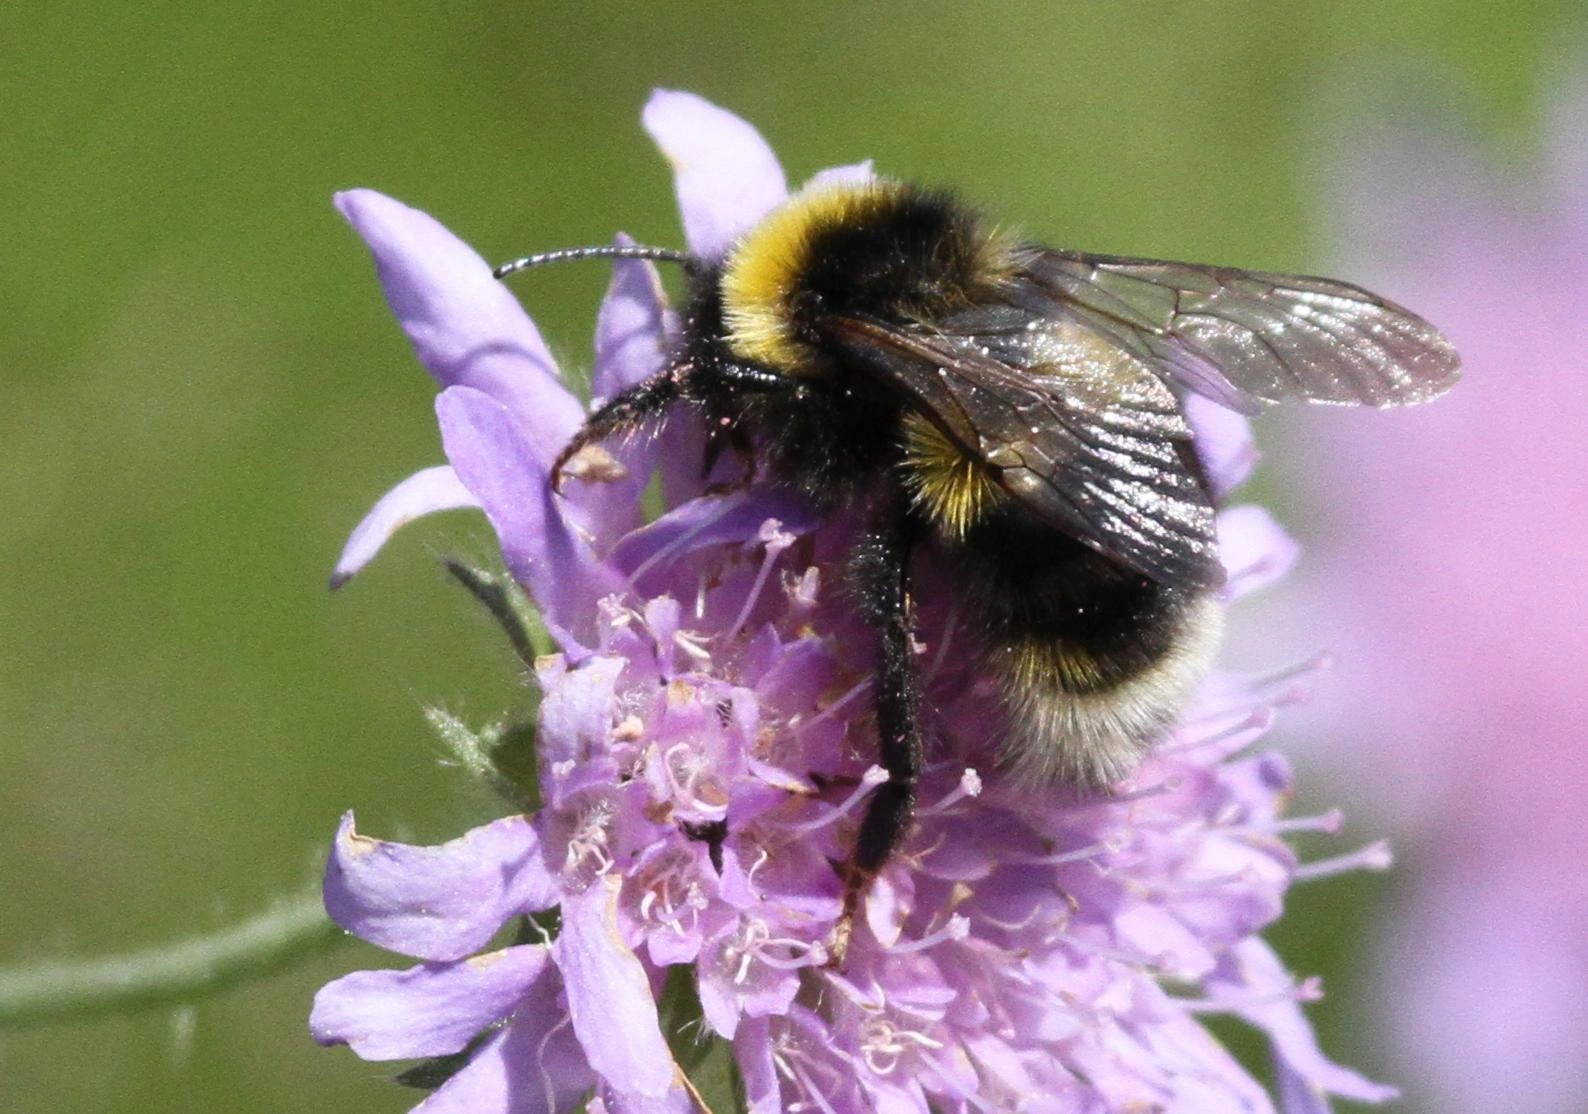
(705, 751)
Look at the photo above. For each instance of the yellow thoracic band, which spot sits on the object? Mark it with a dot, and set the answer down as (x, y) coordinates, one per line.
(764, 266)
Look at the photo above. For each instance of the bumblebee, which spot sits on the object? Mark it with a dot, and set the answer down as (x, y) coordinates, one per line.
(889, 352)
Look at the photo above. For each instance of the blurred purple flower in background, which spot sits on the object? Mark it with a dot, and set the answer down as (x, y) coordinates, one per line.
(1460, 540)
(704, 747)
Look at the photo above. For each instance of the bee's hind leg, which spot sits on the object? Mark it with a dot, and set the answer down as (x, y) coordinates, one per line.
(881, 567)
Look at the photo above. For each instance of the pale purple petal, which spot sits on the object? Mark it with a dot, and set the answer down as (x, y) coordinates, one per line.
(752, 1048)
(495, 462)
(466, 327)
(534, 1066)
(1156, 932)
(718, 1005)
(675, 1101)
(679, 449)
(1264, 984)
(853, 174)
(631, 327)
(436, 903)
(726, 176)
(427, 492)
(708, 521)
(891, 1096)
(1254, 549)
(886, 909)
(609, 998)
(1297, 1093)
(430, 1010)
(631, 340)
(488, 1083)
(576, 719)
(1223, 440)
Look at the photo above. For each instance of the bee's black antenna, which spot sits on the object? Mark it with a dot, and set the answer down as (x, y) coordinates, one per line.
(609, 251)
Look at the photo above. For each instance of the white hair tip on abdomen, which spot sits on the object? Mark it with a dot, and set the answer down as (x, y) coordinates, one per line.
(1092, 740)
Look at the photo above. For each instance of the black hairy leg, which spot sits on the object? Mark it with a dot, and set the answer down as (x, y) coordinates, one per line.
(881, 575)
(724, 391)
(622, 415)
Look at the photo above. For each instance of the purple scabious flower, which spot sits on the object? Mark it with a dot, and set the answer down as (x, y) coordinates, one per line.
(705, 749)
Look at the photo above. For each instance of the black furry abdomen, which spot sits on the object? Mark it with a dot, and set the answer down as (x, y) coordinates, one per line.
(1031, 584)
(1093, 660)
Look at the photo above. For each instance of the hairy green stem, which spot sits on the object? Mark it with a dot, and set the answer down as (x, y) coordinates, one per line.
(171, 972)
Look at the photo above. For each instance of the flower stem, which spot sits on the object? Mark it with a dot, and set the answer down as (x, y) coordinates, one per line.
(169, 972)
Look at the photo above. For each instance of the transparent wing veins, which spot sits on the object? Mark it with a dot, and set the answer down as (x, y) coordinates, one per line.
(1096, 459)
(1239, 336)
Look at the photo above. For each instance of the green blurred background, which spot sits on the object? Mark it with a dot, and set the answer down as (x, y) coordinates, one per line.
(203, 391)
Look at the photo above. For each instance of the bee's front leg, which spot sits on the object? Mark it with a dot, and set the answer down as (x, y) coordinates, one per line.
(621, 416)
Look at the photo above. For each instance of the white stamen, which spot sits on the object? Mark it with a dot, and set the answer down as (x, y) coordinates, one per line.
(1327, 823)
(761, 859)
(1308, 990)
(969, 786)
(589, 840)
(667, 551)
(957, 928)
(692, 644)
(873, 777)
(837, 705)
(776, 540)
(1229, 740)
(1113, 845)
(810, 1089)
(1167, 785)
(1375, 856)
